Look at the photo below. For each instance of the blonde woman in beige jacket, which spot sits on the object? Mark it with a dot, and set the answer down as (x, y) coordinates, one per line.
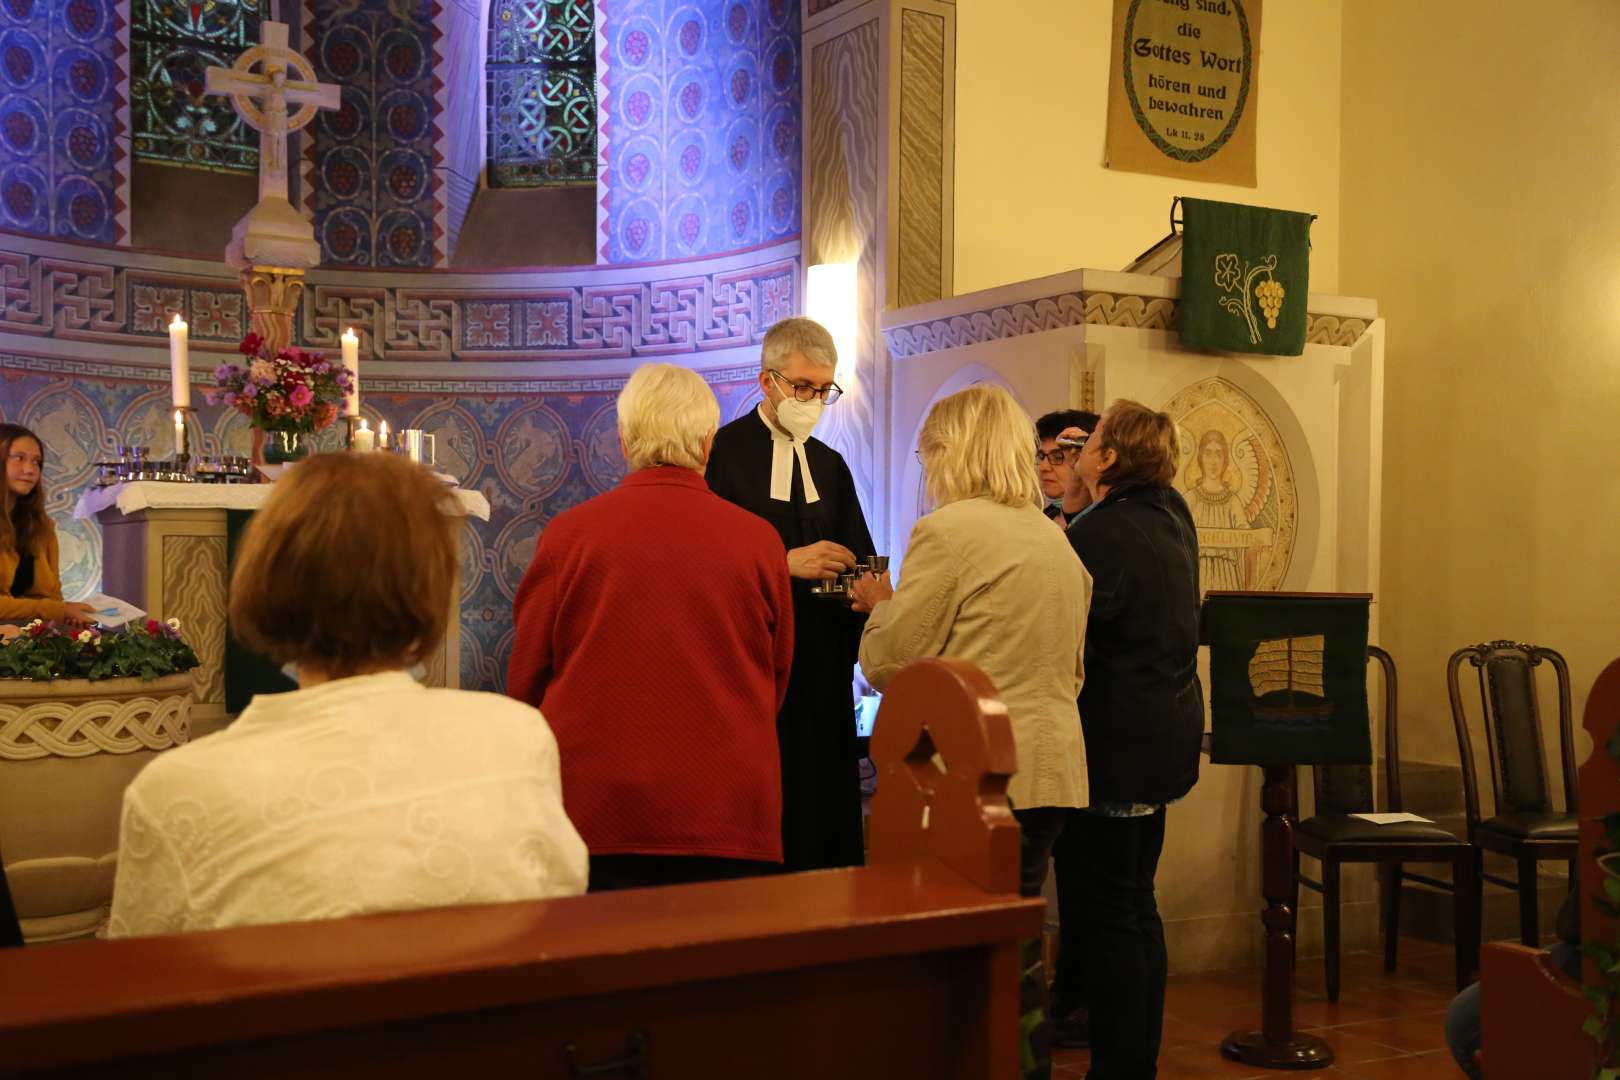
(987, 579)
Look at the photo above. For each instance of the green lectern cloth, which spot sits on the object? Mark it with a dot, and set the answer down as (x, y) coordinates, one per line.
(1245, 275)
(1288, 678)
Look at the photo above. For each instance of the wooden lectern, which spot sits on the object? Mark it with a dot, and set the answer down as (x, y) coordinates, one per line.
(1288, 687)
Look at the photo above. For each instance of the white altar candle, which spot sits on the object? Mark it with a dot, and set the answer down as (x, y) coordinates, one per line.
(351, 360)
(383, 437)
(364, 438)
(179, 433)
(179, 367)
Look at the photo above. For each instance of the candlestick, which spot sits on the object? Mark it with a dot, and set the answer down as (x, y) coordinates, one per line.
(354, 425)
(179, 366)
(187, 440)
(351, 360)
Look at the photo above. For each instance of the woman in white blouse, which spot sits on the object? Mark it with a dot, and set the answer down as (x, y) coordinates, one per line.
(987, 579)
(361, 791)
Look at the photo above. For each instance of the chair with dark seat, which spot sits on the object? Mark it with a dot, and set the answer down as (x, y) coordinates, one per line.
(1335, 836)
(1525, 827)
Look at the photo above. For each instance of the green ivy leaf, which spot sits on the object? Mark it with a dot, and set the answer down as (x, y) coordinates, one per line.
(1598, 996)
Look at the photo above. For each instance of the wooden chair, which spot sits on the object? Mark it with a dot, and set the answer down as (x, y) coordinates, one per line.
(1335, 836)
(1525, 827)
(1531, 1014)
(908, 966)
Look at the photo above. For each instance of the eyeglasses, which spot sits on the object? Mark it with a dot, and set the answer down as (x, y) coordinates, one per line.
(809, 391)
(1057, 455)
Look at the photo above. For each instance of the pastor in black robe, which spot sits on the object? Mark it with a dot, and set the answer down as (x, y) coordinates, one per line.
(815, 731)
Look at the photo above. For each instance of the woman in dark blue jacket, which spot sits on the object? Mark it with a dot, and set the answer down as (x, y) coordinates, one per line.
(1142, 711)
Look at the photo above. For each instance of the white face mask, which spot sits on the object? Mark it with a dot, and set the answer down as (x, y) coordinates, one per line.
(798, 418)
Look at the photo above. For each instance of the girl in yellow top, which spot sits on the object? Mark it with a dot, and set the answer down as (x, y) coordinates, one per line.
(30, 579)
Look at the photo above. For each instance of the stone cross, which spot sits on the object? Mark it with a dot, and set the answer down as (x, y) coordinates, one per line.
(272, 86)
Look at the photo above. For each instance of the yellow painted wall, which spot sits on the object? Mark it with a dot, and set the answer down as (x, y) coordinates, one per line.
(1032, 196)
(1481, 206)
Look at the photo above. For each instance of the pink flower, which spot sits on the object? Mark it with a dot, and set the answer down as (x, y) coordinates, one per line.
(300, 396)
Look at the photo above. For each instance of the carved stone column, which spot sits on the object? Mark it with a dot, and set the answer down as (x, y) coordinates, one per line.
(272, 295)
(879, 146)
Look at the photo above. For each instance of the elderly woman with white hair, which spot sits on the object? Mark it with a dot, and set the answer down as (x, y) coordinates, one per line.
(987, 579)
(654, 629)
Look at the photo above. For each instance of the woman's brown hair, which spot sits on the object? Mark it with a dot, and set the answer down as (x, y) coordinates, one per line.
(23, 520)
(1144, 444)
(349, 566)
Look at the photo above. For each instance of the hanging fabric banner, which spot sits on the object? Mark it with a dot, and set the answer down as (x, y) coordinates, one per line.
(1245, 274)
(1184, 87)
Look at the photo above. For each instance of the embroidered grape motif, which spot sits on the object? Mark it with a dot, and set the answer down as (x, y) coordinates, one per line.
(1270, 295)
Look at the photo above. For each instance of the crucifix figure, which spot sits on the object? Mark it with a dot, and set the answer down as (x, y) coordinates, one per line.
(272, 86)
(272, 245)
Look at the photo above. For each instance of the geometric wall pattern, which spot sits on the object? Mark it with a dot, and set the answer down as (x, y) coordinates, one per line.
(533, 454)
(700, 128)
(84, 295)
(370, 180)
(62, 144)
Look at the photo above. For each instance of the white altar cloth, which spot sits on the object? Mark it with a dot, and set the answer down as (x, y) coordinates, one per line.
(136, 495)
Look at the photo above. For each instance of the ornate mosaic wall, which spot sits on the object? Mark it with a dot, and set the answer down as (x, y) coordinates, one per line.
(534, 448)
(369, 181)
(700, 128)
(62, 118)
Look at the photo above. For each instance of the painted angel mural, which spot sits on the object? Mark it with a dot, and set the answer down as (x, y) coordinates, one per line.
(1239, 485)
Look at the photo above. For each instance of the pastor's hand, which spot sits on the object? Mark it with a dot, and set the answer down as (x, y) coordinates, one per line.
(869, 590)
(819, 561)
(80, 615)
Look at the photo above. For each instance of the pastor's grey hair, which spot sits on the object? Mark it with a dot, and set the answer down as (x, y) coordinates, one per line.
(797, 335)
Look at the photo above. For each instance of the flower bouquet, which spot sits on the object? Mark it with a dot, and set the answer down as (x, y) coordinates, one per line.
(51, 650)
(288, 396)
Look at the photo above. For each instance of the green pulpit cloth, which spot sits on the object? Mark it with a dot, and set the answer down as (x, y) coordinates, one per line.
(246, 672)
(1245, 276)
(1288, 678)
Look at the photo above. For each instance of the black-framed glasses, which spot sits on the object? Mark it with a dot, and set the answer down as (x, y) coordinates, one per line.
(809, 391)
(1058, 455)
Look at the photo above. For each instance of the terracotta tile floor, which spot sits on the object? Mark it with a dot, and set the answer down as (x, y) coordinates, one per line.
(1383, 1025)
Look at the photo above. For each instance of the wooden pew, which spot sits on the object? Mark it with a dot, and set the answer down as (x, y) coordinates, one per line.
(1530, 1012)
(907, 967)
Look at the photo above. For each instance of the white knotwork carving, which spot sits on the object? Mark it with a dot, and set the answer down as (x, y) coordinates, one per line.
(104, 726)
(1072, 309)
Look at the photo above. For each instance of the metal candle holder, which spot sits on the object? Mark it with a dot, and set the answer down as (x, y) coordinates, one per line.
(187, 438)
(354, 424)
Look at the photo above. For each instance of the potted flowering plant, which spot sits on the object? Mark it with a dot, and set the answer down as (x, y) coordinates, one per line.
(285, 397)
(81, 712)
